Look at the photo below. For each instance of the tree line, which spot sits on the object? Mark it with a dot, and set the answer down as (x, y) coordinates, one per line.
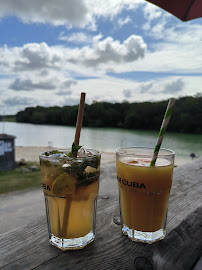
(186, 117)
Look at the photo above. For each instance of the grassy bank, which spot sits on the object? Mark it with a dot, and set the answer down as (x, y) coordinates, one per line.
(21, 178)
(8, 118)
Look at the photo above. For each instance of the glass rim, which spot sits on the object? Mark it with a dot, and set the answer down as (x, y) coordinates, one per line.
(120, 152)
(43, 156)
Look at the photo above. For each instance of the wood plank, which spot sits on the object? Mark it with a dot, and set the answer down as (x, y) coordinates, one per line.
(28, 247)
(186, 192)
(182, 247)
(112, 250)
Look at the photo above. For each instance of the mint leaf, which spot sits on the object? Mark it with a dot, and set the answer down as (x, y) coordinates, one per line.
(52, 153)
(79, 168)
(56, 152)
(75, 149)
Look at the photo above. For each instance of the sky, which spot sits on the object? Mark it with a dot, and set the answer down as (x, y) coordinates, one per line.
(114, 50)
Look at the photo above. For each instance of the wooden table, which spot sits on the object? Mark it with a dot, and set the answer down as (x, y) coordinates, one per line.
(28, 247)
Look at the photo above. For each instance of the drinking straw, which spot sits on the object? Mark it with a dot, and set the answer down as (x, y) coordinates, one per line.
(162, 131)
(76, 141)
(79, 118)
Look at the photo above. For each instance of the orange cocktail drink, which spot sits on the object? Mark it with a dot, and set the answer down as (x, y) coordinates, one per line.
(144, 192)
(70, 186)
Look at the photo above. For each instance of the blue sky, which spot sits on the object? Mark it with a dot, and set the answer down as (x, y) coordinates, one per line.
(115, 51)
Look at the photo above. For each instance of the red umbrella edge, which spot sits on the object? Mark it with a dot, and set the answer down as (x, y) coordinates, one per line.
(185, 10)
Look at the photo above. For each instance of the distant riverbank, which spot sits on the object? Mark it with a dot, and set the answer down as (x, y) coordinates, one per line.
(132, 116)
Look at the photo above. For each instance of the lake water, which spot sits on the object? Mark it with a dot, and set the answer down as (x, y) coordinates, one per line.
(104, 139)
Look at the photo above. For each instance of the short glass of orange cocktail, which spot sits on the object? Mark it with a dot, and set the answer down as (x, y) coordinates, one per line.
(144, 192)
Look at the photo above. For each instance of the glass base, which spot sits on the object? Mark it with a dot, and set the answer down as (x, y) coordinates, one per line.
(74, 243)
(144, 237)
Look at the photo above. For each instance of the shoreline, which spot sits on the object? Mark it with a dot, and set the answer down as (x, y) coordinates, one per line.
(31, 153)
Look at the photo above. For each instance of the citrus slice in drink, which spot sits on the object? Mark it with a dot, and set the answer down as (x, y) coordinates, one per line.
(64, 184)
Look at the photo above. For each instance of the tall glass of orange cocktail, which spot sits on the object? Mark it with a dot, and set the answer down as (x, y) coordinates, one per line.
(70, 186)
(144, 192)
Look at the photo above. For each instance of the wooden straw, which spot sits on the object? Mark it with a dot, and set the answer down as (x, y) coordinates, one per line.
(79, 118)
(76, 141)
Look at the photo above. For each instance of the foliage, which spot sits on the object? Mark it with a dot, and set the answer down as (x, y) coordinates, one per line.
(186, 117)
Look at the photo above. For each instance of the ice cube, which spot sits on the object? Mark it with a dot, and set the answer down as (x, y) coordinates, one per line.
(84, 152)
(58, 155)
(66, 165)
(81, 152)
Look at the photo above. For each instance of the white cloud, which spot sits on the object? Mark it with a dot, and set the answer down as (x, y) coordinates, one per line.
(104, 88)
(183, 34)
(155, 20)
(41, 58)
(145, 87)
(122, 22)
(159, 29)
(51, 83)
(170, 56)
(28, 85)
(18, 100)
(79, 13)
(110, 8)
(127, 93)
(58, 12)
(173, 87)
(33, 56)
(159, 89)
(152, 12)
(110, 51)
(70, 101)
(64, 86)
(76, 38)
(64, 93)
(146, 26)
(68, 83)
(134, 91)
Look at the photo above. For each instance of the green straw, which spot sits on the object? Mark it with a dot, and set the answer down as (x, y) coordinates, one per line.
(162, 131)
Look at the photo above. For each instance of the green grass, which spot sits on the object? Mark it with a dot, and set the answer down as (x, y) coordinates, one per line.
(16, 180)
(8, 118)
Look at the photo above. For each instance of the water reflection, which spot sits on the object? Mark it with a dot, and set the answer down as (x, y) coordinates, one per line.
(104, 139)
